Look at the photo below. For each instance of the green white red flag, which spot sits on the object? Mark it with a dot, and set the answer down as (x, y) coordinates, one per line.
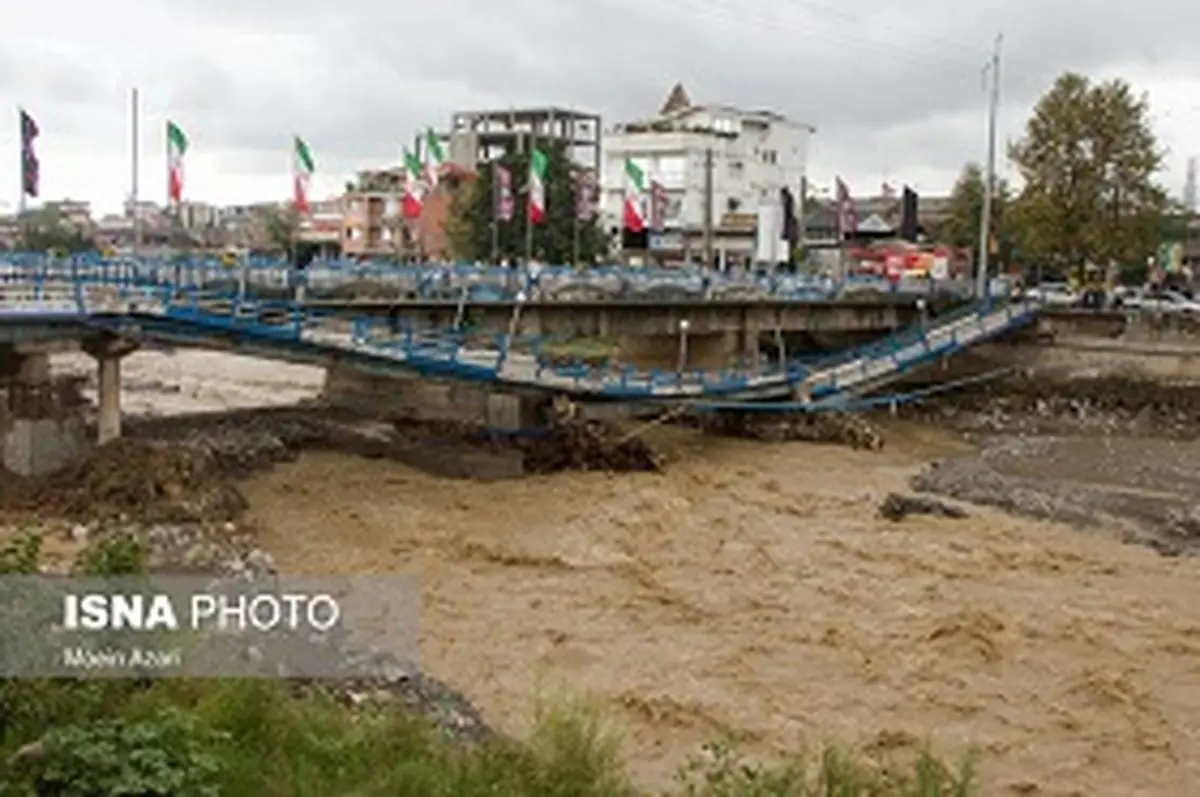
(303, 167)
(537, 185)
(436, 158)
(635, 197)
(414, 190)
(177, 147)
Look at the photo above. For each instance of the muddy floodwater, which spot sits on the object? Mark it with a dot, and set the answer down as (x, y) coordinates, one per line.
(752, 592)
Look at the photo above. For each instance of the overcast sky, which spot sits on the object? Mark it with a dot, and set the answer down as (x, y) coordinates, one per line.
(894, 89)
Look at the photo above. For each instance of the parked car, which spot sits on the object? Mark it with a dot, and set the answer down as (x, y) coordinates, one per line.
(1159, 301)
(1054, 294)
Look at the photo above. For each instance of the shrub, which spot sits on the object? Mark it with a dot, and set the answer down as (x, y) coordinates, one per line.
(169, 755)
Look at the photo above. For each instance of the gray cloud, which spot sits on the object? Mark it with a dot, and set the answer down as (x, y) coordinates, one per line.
(888, 87)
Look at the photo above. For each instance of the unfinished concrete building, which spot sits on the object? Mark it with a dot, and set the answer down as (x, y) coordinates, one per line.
(478, 136)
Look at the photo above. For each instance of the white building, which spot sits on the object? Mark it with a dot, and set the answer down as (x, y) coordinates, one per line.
(755, 154)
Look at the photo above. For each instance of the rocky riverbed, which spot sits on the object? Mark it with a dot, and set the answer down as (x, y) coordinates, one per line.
(1109, 455)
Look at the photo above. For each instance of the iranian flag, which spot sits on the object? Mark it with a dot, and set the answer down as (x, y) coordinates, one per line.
(413, 189)
(635, 197)
(302, 170)
(177, 147)
(437, 157)
(537, 186)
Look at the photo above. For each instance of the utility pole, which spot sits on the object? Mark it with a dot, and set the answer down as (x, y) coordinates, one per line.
(708, 208)
(989, 182)
(133, 191)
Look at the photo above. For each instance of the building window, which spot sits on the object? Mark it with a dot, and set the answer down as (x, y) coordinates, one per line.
(671, 170)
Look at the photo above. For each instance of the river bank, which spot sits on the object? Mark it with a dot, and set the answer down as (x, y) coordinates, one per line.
(751, 590)
(1111, 456)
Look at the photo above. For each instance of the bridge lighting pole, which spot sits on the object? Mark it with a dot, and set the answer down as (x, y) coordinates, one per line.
(243, 278)
(683, 346)
(513, 324)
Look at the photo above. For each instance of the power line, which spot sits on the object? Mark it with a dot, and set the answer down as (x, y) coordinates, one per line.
(821, 31)
(973, 52)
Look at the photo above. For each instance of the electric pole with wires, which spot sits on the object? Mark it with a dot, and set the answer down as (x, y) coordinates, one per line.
(989, 181)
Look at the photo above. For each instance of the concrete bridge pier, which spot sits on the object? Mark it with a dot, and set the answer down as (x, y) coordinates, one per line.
(705, 351)
(108, 353)
(411, 396)
(40, 430)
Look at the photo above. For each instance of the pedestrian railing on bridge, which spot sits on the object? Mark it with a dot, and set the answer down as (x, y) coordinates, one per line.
(136, 301)
(475, 283)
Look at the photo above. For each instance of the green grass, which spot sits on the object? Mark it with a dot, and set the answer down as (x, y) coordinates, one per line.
(591, 350)
(267, 739)
(255, 738)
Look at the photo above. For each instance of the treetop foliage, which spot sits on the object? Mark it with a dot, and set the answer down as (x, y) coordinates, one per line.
(960, 228)
(1088, 163)
(469, 226)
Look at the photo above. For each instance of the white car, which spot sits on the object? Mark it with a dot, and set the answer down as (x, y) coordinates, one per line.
(1054, 294)
(1160, 302)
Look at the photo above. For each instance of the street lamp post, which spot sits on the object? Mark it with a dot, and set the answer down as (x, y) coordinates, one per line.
(683, 346)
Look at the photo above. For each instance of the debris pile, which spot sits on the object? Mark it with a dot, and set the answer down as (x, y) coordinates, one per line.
(1109, 405)
(245, 441)
(588, 445)
(896, 507)
(132, 479)
(820, 427)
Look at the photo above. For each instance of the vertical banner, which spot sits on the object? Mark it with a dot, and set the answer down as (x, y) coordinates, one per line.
(505, 204)
(847, 215)
(30, 167)
(658, 206)
(585, 195)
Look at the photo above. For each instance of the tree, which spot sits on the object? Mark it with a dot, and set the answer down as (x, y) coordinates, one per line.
(469, 225)
(280, 226)
(45, 229)
(461, 220)
(961, 225)
(1088, 161)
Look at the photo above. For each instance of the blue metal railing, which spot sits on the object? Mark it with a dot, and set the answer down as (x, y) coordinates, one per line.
(480, 282)
(175, 305)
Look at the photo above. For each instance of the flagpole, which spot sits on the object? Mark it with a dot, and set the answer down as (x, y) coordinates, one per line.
(21, 170)
(418, 244)
(495, 215)
(528, 201)
(133, 192)
(167, 163)
(575, 222)
(575, 243)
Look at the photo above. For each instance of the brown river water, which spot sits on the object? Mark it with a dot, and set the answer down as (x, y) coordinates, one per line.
(752, 592)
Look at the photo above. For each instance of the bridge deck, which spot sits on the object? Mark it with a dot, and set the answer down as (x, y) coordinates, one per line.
(291, 330)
